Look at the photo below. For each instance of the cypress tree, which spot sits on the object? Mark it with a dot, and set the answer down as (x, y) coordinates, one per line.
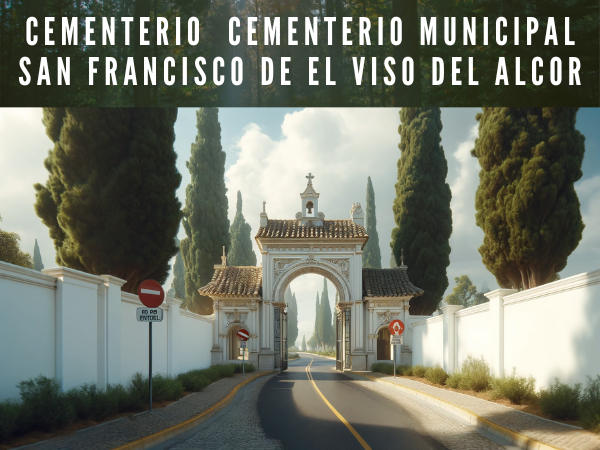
(241, 253)
(37, 258)
(371, 253)
(422, 206)
(303, 343)
(179, 275)
(205, 214)
(293, 321)
(110, 200)
(10, 249)
(325, 330)
(526, 202)
(316, 334)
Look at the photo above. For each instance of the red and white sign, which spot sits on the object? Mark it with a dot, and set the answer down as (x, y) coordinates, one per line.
(151, 293)
(243, 335)
(396, 327)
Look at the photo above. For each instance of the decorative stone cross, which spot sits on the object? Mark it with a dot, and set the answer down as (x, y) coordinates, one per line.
(310, 177)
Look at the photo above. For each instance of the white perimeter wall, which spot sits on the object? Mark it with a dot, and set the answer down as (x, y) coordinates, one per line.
(427, 339)
(80, 328)
(546, 332)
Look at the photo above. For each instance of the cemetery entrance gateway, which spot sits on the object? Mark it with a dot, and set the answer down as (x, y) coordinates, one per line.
(253, 297)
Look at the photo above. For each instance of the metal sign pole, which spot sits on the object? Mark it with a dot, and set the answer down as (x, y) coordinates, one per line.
(243, 360)
(150, 366)
(394, 361)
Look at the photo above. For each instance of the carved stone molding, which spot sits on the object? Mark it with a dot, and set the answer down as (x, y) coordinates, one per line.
(389, 305)
(254, 336)
(342, 264)
(280, 264)
(230, 304)
(281, 305)
(386, 317)
(236, 317)
(372, 336)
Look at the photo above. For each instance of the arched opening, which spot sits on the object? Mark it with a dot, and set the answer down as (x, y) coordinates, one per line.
(309, 207)
(234, 350)
(383, 344)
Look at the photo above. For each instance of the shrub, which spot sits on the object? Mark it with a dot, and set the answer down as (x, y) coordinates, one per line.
(9, 419)
(382, 367)
(590, 404)
(455, 380)
(436, 375)
(405, 370)
(249, 368)
(45, 407)
(164, 388)
(518, 390)
(419, 371)
(475, 374)
(193, 381)
(561, 401)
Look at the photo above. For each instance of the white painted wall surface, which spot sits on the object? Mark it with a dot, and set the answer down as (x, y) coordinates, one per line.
(472, 333)
(427, 342)
(554, 330)
(56, 324)
(27, 334)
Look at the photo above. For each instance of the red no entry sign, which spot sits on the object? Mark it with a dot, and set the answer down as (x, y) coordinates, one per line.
(396, 327)
(243, 335)
(151, 293)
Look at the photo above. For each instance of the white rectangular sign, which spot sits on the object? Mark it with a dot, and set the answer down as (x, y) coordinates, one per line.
(146, 314)
(243, 344)
(396, 340)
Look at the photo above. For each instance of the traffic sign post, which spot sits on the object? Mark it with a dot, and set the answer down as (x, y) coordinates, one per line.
(151, 294)
(243, 335)
(396, 328)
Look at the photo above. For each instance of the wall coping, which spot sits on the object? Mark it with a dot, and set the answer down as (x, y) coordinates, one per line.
(208, 319)
(483, 307)
(431, 320)
(567, 284)
(24, 275)
(72, 274)
(110, 279)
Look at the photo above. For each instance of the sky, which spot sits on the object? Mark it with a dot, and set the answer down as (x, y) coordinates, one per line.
(269, 153)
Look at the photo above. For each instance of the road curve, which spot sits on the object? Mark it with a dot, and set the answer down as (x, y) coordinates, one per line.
(292, 411)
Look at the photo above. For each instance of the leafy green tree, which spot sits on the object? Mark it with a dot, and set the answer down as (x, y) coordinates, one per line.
(526, 202)
(371, 253)
(37, 258)
(10, 250)
(465, 293)
(205, 214)
(110, 200)
(422, 206)
(303, 348)
(326, 333)
(179, 274)
(241, 253)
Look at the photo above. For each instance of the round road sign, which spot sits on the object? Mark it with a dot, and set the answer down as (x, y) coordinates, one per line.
(243, 334)
(151, 293)
(396, 327)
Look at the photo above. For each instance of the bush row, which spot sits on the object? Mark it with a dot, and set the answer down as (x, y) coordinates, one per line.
(559, 401)
(43, 407)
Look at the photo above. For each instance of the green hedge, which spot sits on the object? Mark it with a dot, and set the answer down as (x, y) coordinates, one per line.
(43, 407)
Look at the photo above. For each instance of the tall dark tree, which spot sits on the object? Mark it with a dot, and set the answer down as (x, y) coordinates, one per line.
(303, 348)
(526, 202)
(422, 206)
(37, 258)
(371, 252)
(241, 253)
(326, 334)
(205, 214)
(110, 200)
(316, 337)
(292, 320)
(179, 274)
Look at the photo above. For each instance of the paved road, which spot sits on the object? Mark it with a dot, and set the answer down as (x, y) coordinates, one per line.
(293, 412)
(311, 406)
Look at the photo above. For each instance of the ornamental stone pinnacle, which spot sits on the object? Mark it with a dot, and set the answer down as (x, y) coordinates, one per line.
(309, 177)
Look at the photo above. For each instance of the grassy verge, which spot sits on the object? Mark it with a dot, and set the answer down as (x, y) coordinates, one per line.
(43, 408)
(331, 353)
(573, 405)
(293, 356)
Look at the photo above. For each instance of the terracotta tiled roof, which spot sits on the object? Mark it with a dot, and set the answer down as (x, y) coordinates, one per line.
(235, 282)
(331, 229)
(388, 283)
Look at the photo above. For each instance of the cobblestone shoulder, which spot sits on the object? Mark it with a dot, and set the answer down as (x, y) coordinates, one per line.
(128, 429)
(534, 427)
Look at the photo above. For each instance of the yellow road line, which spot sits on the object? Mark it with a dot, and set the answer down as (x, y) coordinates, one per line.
(335, 411)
